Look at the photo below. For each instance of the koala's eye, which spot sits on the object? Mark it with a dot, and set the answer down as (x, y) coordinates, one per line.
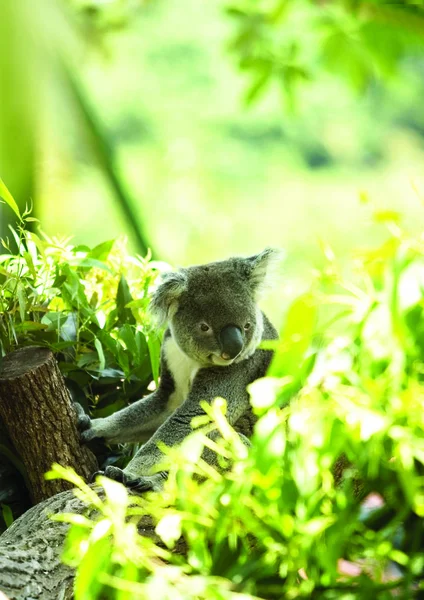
(204, 327)
(247, 326)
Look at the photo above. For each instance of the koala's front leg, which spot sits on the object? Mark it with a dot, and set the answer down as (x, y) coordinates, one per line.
(229, 383)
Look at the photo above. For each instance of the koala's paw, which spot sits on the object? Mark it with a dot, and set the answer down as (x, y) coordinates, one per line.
(87, 435)
(144, 483)
(84, 426)
(83, 420)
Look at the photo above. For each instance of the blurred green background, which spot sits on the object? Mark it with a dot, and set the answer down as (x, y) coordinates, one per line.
(204, 128)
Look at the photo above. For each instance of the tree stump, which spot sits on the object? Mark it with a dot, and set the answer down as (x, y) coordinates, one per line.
(40, 419)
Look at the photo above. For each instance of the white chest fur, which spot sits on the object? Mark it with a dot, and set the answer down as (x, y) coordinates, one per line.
(183, 370)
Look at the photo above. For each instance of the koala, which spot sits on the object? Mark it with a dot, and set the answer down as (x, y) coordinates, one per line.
(209, 349)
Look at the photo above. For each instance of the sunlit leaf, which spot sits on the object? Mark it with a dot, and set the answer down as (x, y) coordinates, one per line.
(95, 562)
(296, 337)
(169, 529)
(8, 198)
(385, 216)
(264, 392)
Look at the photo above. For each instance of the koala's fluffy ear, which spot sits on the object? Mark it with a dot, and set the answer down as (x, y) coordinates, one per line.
(263, 269)
(164, 303)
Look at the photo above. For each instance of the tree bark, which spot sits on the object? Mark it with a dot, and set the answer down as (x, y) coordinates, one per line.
(40, 419)
(30, 550)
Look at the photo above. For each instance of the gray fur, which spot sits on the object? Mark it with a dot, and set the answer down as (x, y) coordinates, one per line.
(216, 295)
(167, 294)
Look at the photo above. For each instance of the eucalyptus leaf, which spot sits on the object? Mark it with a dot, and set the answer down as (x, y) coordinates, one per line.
(7, 197)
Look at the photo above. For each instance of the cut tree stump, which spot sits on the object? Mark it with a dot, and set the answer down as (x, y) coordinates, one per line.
(41, 420)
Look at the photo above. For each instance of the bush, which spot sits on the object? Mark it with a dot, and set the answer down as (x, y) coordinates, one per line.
(329, 500)
(89, 306)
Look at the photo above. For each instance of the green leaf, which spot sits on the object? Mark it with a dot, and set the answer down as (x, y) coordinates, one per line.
(97, 560)
(7, 514)
(142, 353)
(270, 436)
(92, 262)
(84, 491)
(317, 525)
(344, 55)
(264, 391)
(258, 86)
(101, 251)
(99, 348)
(20, 292)
(30, 326)
(63, 322)
(153, 343)
(30, 264)
(127, 335)
(73, 519)
(123, 359)
(169, 529)
(123, 297)
(115, 374)
(117, 496)
(8, 198)
(296, 337)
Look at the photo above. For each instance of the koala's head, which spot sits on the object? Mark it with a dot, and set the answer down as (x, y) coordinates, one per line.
(212, 309)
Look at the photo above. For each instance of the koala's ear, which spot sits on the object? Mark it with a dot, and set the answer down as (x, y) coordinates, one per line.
(263, 269)
(164, 303)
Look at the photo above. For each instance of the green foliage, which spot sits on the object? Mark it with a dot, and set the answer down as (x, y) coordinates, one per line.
(291, 42)
(87, 305)
(209, 162)
(292, 516)
(103, 16)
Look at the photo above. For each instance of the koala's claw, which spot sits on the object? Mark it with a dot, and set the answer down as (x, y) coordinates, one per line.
(137, 484)
(111, 472)
(147, 483)
(94, 475)
(140, 484)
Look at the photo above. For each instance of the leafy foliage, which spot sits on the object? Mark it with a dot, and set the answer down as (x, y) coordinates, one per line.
(354, 40)
(329, 500)
(87, 305)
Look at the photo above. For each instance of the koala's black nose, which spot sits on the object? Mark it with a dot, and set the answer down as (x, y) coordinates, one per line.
(231, 341)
